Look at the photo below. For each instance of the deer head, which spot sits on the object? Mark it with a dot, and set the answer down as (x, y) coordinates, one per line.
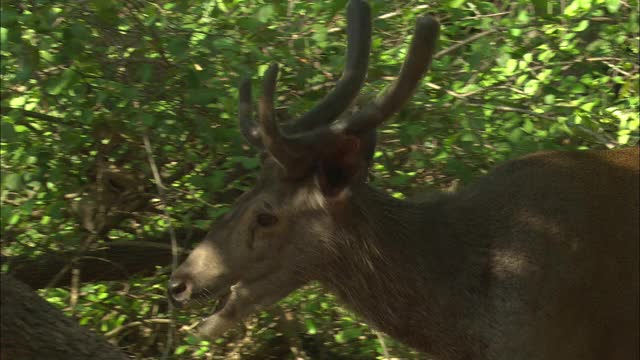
(281, 234)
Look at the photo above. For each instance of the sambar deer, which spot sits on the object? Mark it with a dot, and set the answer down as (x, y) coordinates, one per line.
(537, 260)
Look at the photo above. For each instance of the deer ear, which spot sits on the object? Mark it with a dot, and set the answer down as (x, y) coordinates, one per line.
(342, 166)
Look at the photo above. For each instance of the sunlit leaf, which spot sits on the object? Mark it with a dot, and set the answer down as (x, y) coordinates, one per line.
(613, 5)
(12, 181)
(265, 13)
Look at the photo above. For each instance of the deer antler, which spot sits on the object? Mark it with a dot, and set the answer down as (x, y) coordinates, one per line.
(416, 64)
(247, 126)
(297, 147)
(274, 139)
(353, 76)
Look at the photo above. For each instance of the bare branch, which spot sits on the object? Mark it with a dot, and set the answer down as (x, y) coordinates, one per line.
(172, 234)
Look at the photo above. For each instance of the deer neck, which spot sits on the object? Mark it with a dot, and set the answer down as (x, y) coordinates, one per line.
(401, 266)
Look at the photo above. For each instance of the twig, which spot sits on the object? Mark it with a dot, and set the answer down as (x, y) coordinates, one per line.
(463, 43)
(485, 15)
(133, 324)
(512, 109)
(617, 68)
(385, 351)
(453, 93)
(75, 284)
(190, 193)
(148, 244)
(398, 12)
(35, 115)
(290, 329)
(172, 234)
(381, 17)
(83, 248)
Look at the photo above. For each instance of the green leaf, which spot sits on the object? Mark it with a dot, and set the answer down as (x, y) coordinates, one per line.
(523, 17)
(62, 82)
(14, 219)
(531, 87)
(573, 8)
(265, 13)
(221, 5)
(178, 47)
(546, 55)
(588, 107)
(147, 119)
(216, 181)
(13, 182)
(107, 11)
(18, 101)
(181, 349)
(581, 26)
(7, 133)
(544, 74)
(468, 136)
(352, 333)
(80, 32)
(261, 69)
(613, 5)
(4, 34)
(549, 99)
(29, 57)
(8, 16)
(511, 66)
(311, 327)
(456, 3)
(515, 135)
(540, 7)
(201, 96)
(528, 126)
(320, 34)
(250, 163)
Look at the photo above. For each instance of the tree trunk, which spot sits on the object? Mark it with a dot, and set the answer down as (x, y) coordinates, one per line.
(33, 329)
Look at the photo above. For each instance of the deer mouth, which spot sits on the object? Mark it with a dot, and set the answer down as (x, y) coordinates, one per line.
(222, 301)
(240, 300)
(225, 315)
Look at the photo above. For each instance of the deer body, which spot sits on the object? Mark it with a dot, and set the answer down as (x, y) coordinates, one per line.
(537, 260)
(509, 268)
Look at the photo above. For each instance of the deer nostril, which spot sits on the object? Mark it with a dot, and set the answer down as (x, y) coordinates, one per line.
(179, 291)
(177, 287)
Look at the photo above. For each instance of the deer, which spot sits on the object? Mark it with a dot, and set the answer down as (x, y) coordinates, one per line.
(539, 259)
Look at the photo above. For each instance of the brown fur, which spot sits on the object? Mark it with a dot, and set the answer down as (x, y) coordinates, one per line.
(537, 260)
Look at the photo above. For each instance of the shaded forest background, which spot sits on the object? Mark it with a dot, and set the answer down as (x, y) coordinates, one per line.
(93, 90)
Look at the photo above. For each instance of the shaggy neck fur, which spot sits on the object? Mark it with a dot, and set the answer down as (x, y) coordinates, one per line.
(403, 268)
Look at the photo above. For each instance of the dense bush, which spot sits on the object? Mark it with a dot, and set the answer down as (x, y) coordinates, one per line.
(85, 82)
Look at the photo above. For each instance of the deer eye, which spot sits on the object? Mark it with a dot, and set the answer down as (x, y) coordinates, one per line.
(266, 220)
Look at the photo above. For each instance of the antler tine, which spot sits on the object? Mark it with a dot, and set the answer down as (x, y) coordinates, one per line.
(416, 64)
(353, 76)
(275, 142)
(248, 127)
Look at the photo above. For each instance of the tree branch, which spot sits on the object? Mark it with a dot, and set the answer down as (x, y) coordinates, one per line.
(114, 261)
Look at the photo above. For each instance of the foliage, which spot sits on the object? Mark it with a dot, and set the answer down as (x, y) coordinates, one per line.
(83, 82)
